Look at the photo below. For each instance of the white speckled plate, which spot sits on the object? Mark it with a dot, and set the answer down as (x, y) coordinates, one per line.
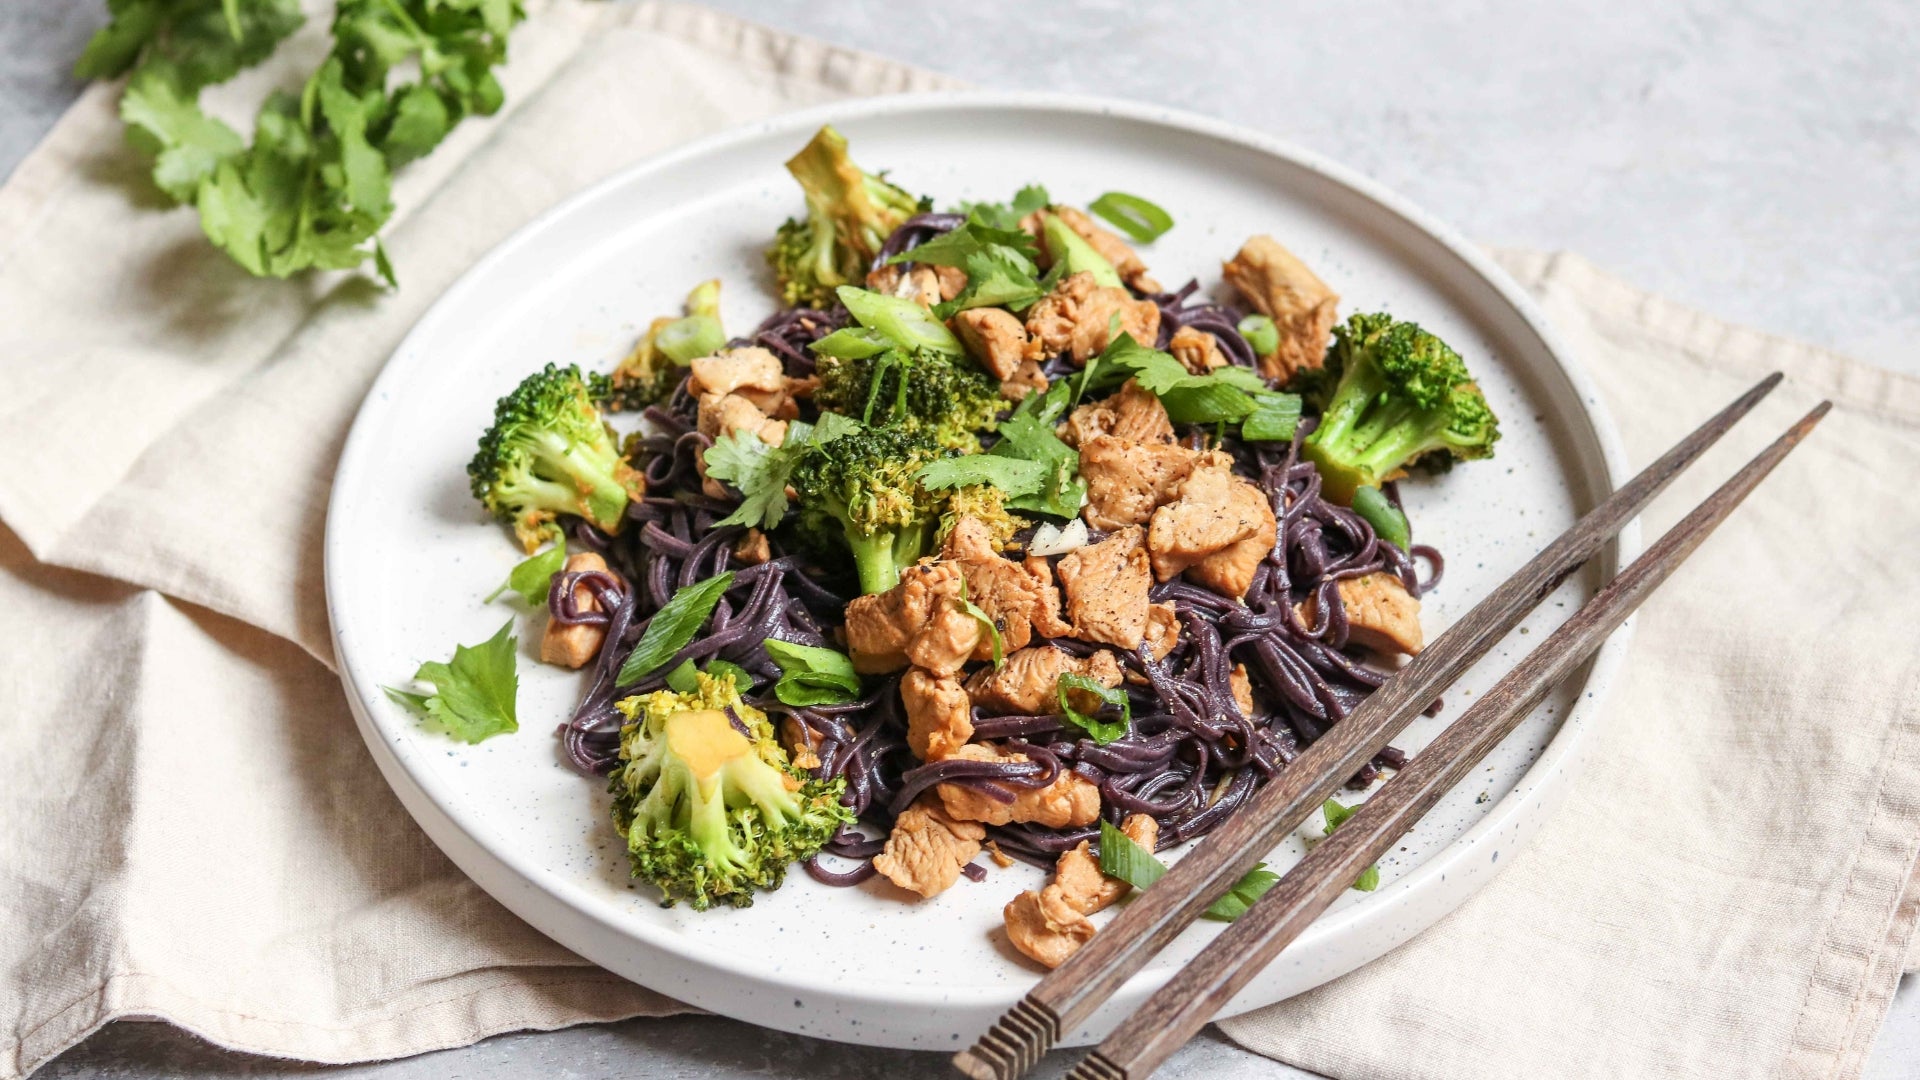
(409, 556)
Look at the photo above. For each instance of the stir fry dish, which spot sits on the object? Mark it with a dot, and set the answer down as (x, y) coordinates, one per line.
(985, 546)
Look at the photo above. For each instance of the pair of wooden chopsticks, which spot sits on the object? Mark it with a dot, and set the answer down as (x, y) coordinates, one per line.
(1069, 995)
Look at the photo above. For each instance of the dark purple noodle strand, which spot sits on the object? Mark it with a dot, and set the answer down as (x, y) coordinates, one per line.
(824, 876)
(1191, 757)
(1177, 312)
(787, 333)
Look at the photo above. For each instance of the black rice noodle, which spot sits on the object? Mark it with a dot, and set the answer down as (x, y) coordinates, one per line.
(1191, 757)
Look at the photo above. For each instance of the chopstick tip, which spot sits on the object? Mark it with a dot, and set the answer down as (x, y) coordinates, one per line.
(1807, 422)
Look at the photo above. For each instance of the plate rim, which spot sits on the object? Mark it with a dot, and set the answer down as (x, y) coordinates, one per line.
(1518, 813)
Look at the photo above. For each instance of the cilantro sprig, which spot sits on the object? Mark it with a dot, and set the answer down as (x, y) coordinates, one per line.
(1225, 395)
(1001, 264)
(760, 471)
(1007, 215)
(1028, 435)
(474, 694)
(314, 186)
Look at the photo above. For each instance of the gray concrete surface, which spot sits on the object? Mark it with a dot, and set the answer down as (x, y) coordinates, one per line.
(1760, 160)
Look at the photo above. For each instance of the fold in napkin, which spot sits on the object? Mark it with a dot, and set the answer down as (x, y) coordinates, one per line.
(193, 830)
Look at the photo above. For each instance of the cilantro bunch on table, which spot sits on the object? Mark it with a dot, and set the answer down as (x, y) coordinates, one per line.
(314, 185)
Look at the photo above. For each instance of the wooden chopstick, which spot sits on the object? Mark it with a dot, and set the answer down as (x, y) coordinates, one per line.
(1201, 989)
(1070, 993)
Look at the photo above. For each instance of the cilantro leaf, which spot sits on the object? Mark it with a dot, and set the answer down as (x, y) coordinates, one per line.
(993, 280)
(1007, 215)
(474, 693)
(166, 121)
(366, 184)
(201, 42)
(973, 237)
(828, 427)
(533, 577)
(1029, 199)
(114, 47)
(1000, 264)
(673, 626)
(1013, 476)
(1225, 395)
(420, 120)
(1100, 731)
(1027, 436)
(1155, 371)
(759, 470)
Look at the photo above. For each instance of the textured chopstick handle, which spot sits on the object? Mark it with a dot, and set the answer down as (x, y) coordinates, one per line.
(1069, 995)
(1205, 986)
(1014, 1045)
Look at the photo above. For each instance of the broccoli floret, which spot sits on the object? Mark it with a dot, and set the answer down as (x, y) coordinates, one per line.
(947, 398)
(712, 812)
(659, 358)
(859, 490)
(850, 213)
(1402, 395)
(548, 453)
(988, 505)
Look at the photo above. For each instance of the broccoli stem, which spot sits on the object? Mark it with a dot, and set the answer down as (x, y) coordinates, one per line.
(605, 497)
(879, 557)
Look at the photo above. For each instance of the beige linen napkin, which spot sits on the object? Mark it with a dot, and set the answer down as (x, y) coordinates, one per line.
(193, 831)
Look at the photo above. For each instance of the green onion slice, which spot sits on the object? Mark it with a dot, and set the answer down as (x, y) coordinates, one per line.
(1260, 333)
(1132, 215)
